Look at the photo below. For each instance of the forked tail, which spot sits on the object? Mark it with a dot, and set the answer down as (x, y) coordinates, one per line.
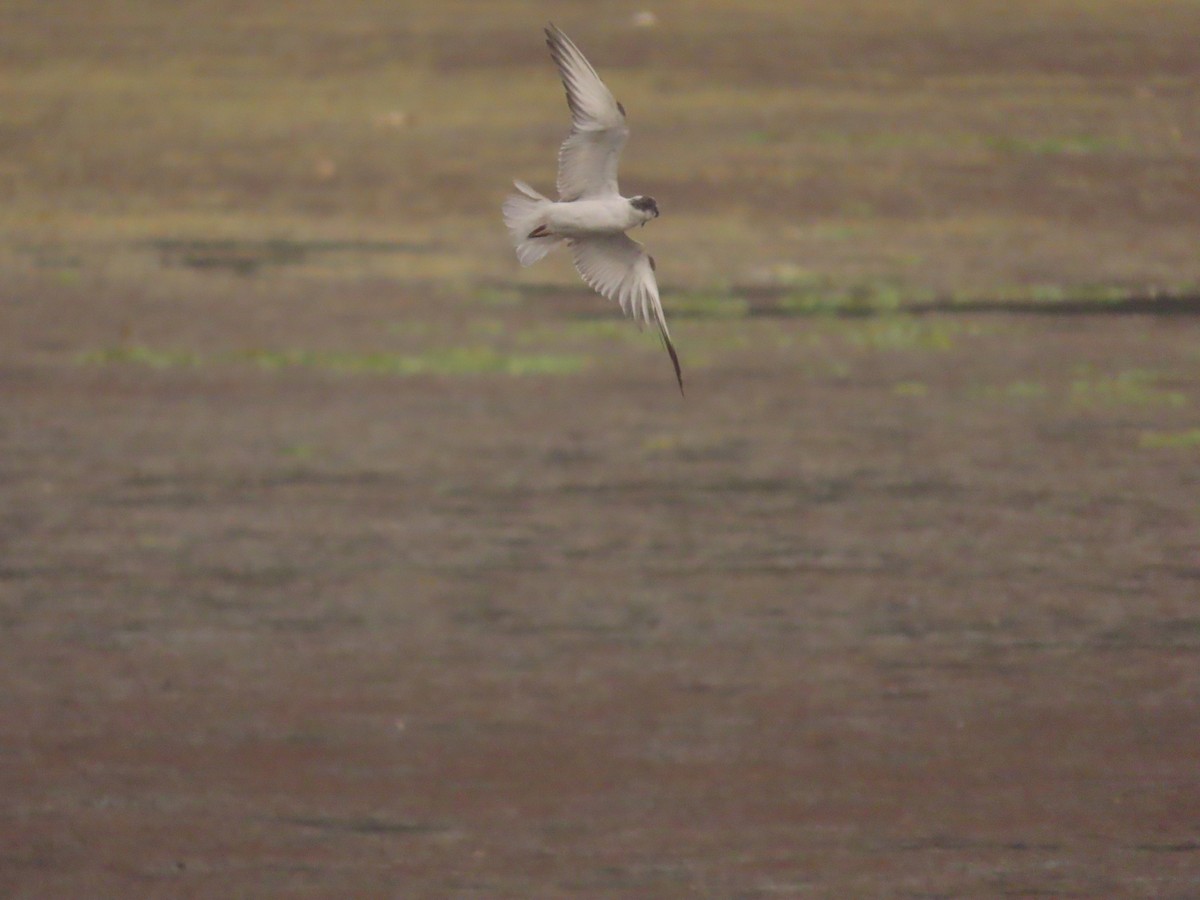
(523, 216)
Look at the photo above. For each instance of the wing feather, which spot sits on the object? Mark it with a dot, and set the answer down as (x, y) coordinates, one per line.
(588, 158)
(619, 268)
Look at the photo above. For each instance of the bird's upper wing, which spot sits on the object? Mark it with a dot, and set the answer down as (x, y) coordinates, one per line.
(619, 268)
(587, 160)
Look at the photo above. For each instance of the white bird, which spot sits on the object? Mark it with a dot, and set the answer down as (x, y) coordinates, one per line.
(590, 215)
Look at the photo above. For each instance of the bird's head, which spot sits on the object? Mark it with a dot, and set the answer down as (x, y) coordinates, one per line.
(646, 206)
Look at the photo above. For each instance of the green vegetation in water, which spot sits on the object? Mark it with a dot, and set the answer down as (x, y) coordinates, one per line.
(1069, 145)
(1016, 390)
(1072, 293)
(497, 296)
(815, 295)
(1021, 390)
(1170, 440)
(910, 389)
(715, 305)
(761, 137)
(902, 332)
(140, 355)
(487, 327)
(247, 256)
(586, 331)
(298, 452)
(1049, 293)
(450, 361)
(410, 329)
(1133, 387)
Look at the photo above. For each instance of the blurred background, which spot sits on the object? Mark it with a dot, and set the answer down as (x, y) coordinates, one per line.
(341, 556)
(970, 149)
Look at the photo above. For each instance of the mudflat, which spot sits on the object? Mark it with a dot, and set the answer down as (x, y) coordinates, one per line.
(338, 557)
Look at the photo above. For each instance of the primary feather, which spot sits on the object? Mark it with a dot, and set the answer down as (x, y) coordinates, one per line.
(588, 158)
(619, 268)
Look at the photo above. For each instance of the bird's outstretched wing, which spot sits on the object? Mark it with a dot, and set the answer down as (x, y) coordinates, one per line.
(619, 268)
(587, 160)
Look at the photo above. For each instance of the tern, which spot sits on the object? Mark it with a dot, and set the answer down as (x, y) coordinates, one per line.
(590, 215)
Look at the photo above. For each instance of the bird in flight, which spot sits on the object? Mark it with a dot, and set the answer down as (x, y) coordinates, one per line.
(590, 215)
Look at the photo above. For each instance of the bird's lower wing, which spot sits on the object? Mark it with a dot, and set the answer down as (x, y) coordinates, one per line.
(619, 268)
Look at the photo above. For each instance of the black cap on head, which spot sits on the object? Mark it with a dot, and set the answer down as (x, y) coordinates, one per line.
(645, 204)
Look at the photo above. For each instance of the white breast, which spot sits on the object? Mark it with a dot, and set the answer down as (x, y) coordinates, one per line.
(579, 218)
